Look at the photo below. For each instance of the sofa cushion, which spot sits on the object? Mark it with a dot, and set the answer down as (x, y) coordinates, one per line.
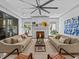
(74, 40)
(7, 40)
(71, 41)
(62, 39)
(20, 39)
(57, 36)
(23, 36)
(13, 41)
(10, 41)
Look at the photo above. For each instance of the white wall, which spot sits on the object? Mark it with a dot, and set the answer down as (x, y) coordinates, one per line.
(72, 13)
(40, 28)
(38, 20)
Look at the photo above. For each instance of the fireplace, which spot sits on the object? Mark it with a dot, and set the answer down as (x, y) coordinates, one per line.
(40, 34)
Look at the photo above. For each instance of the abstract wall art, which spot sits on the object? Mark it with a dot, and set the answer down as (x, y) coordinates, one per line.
(71, 26)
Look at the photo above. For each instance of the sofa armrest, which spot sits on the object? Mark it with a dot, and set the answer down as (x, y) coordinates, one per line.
(71, 48)
(6, 48)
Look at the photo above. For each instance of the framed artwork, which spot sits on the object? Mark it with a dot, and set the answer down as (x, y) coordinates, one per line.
(71, 26)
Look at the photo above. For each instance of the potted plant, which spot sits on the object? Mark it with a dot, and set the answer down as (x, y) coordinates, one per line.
(54, 32)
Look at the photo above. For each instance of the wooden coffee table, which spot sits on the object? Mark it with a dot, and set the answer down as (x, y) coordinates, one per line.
(40, 46)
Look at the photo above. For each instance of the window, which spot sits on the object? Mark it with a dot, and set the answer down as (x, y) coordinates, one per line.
(27, 27)
(52, 28)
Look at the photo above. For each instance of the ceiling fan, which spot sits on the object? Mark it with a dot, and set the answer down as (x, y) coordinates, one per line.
(40, 7)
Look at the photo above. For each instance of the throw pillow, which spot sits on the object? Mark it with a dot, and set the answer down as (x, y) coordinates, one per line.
(13, 40)
(67, 41)
(26, 34)
(57, 37)
(62, 40)
(23, 37)
(20, 39)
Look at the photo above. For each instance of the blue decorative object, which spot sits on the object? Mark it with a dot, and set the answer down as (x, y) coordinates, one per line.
(71, 26)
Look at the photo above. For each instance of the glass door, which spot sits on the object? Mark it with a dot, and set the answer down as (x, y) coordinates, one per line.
(11, 27)
(8, 25)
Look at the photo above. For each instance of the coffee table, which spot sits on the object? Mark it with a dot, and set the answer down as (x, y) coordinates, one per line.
(40, 46)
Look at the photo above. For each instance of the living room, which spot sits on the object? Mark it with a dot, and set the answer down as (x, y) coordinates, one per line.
(38, 30)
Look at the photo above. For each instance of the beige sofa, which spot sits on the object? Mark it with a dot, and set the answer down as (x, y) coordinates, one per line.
(69, 44)
(18, 41)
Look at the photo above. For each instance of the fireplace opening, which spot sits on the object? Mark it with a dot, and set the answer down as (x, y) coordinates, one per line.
(40, 34)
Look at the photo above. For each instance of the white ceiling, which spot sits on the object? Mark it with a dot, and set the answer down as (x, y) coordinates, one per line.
(21, 8)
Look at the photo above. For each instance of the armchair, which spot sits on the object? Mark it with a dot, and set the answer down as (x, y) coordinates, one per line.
(19, 55)
(59, 55)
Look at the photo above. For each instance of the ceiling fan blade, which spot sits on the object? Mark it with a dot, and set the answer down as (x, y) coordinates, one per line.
(39, 11)
(38, 7)
(50, 7)
(47, 3)
(37, 2)
(45, 10)
(33, 11)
